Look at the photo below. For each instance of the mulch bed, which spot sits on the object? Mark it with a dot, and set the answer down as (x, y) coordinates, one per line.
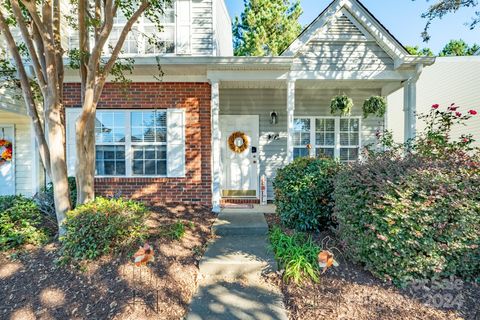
(34, 286)
(350, 292)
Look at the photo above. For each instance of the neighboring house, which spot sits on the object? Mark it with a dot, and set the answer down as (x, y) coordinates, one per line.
(449, 80)
(23, 175)
(173, 140)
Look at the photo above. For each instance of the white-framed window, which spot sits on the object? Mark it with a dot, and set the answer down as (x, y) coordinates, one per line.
(144, 38)
(131, 143)
(334, 137)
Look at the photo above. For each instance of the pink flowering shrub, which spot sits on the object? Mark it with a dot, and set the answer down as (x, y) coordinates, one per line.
(414, 212)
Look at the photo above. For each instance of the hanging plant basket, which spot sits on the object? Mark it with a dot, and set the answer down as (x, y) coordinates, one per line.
(341, 105)
(375, 105)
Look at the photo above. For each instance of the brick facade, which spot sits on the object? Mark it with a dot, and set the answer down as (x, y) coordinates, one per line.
(195, 99)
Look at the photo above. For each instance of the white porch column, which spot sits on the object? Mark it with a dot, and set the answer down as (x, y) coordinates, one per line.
(290, 115)
(215, 123)
(410, 108)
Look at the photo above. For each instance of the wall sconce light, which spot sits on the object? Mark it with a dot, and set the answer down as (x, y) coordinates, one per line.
(273, 117)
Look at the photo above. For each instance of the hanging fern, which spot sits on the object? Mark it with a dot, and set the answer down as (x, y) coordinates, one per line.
(375, 105)
(342, 105)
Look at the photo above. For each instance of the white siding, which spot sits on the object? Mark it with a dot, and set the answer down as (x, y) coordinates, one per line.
(450, 79)
(12, 101)
(309, 102)
(202, 28)
(26, 175)
(223, 30)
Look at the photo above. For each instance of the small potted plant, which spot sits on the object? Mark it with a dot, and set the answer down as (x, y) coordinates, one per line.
(341, 105)
(375, 105)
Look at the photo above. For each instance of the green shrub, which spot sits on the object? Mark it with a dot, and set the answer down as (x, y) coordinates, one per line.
(174, 231)
(303, 193)
(102, 226)
(412, 217)
(297, 254)
(20, 222)
(45, 201)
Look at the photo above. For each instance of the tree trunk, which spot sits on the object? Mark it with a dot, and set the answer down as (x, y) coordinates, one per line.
(85, 166)
(59, 176)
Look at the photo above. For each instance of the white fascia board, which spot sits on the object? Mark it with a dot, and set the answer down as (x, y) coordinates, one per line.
(241, 75)
(352, 75)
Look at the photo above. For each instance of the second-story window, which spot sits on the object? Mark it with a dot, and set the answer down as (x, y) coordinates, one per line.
(144, 38)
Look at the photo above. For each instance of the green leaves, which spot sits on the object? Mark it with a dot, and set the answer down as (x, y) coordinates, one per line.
(376, 106)
(20, 223)
(303, 193)
(296, 253)
(341, 105)
(412, 217)
(266, 27)
(102, 226)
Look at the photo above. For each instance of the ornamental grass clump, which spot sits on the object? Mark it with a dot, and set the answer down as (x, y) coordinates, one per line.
(297, 254)
(303, 193)
(101, 227)
(415, 213)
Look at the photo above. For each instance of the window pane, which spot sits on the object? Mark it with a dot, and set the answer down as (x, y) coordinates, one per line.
(109, 127)
(320, 138)
(325, 152)
(149, 126)
(300, 152)
(149, 160)
(344, 139)
(354, 124)
(162, 167)
(330, 139)
(344, 125)
(301, 125)
(110, 160)
(330, 125)
(348, 154)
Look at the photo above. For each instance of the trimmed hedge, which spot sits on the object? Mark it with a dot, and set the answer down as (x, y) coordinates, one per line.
(412, 217)
(20, 223)
(102, 226)
(303, 193)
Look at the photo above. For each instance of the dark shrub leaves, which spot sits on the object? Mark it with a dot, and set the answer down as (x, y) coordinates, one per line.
(412, 217)
(20, 222)
(303, 193)
(102, 226)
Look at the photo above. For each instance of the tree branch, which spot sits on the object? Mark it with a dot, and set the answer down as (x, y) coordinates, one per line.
(27, 95)
(123, 35)
(29, 43)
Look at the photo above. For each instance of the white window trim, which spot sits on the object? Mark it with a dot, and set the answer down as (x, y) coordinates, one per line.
(337, 147)
(128, 145)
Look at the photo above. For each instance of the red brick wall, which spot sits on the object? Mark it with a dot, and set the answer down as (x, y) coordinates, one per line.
(195, 99)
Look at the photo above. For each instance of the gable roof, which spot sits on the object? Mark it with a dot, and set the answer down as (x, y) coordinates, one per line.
(359, 16)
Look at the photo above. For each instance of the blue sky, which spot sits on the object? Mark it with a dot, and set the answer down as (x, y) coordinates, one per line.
(401, 17)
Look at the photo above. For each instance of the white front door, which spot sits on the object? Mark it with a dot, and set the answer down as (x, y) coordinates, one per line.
(7, 170)
(239, 167)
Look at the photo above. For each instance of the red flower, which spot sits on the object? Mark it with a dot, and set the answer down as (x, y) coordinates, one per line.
(466, 140)
(472, 112)
(458, 114)
(435, 106)
(453, 108)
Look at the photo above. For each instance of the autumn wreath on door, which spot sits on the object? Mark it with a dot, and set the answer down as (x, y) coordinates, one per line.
(238, 142)
(6, 148)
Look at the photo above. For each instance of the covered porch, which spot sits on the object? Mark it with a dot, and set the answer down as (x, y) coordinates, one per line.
(287, 115)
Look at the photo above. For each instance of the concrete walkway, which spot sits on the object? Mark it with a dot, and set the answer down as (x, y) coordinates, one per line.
(230, 283)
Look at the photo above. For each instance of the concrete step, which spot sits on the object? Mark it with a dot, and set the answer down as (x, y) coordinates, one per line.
(234, 256)
(250, 300)
(237, 223)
